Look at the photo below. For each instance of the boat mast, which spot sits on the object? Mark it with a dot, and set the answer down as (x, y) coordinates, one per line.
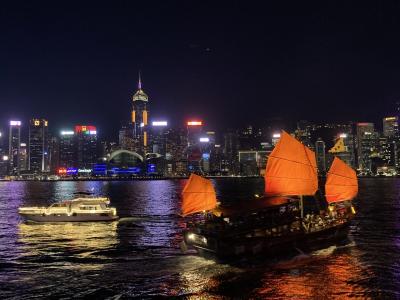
(301, 207)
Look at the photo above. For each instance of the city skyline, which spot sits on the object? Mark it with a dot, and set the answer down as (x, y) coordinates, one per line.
(199, 63)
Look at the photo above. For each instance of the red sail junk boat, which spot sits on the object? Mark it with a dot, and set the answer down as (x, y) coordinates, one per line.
(286, 216)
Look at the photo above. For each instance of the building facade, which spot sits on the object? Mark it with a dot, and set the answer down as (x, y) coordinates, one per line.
(391, 127)
(320, 155)
(86, 146)
(139, 118)
(14, 144)
(38, 158)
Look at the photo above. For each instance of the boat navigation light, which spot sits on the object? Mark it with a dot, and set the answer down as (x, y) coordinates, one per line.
(191, 236)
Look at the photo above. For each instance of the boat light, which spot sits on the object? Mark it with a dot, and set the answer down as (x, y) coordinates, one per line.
(204, 140)
(191, 236)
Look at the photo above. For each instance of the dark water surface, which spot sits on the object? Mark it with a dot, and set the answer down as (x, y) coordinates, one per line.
(139, 256)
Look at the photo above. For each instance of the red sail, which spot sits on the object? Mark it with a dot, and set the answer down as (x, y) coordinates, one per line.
(291, 169)
(198, 195)
(341, 182)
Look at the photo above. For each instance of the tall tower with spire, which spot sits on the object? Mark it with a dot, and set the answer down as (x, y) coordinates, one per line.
(140, 115)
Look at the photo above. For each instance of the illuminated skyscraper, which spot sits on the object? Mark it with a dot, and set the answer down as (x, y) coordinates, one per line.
(158, 137)
(1, 144)
(140, 115)
(176, 148)
(67, 149)
(14, 143)
(86, 146)
(194, 155)
(230, 162)
(365, 135)
(38, 146)
(54, 154)
(23, 157)
(390, 126)
(320, 155)
(126, 138)
(3, 156)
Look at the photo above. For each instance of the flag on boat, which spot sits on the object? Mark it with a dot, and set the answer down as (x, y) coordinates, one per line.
(291, 169)
(198, 195)
(341, 182)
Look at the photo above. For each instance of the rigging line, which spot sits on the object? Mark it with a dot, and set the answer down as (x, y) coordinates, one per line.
(297, 162)
(342, 176)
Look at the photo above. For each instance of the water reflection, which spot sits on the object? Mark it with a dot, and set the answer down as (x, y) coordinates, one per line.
(297, 278)
(78, 240)
(140, 257)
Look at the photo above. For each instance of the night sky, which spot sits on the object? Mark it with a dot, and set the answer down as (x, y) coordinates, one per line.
(229, 64)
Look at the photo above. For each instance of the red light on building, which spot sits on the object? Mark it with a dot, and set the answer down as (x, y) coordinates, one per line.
(84, 128)
(62, 171)
(194, 123)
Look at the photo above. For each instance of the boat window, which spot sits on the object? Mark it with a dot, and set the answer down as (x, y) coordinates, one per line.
(58, 205)
(88, 207)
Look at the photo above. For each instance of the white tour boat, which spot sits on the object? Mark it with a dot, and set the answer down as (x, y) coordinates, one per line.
(80, 209)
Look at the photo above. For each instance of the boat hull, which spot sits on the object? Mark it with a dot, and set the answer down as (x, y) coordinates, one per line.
(66, 218)
(241, 247)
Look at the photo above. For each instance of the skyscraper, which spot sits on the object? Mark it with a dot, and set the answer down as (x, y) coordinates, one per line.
(54, 154)
(86, 146)
(365, 131)
(67, 149)
(175, 152)
(320, 154)
(140, 115)
(158, 137)
(194, 155)
(38, 146)
(23, 157)
(126, 139)
(390, 126)
(14, 144)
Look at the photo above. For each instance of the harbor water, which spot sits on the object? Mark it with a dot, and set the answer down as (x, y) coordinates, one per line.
(139, 256)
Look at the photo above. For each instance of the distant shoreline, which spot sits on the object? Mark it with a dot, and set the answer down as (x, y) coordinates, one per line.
(156, 178)
(126, 178)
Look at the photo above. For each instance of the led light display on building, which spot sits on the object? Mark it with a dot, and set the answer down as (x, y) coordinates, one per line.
(72, 171)
(86, 129)
(62, 171)
(390, 118)
(15, 123)
(159, 123)
(194, 123)
(67, 132)
(100, 169)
